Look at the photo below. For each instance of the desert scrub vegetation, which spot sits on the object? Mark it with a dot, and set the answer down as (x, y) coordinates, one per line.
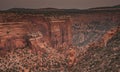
(101, 59)
(24, 60)
(64, 59)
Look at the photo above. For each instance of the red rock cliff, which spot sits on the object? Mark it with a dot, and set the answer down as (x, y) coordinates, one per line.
(17, 31)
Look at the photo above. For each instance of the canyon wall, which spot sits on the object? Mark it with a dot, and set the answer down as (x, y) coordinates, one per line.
(22, 30)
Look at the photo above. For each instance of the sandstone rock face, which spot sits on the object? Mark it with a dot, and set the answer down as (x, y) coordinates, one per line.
(109, 34)
(17, 31)
(79, 42)
(91, 27)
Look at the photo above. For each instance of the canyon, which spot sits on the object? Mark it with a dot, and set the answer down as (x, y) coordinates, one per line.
(16, 30)
(75, 32)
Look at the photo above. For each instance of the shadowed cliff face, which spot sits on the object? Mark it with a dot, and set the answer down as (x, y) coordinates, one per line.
(92, 27)
(17, 31)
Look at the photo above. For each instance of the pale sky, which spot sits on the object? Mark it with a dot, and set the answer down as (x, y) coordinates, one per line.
(62, 4)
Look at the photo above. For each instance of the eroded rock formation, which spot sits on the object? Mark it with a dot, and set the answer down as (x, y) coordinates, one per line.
(77, 30)
(39, 42)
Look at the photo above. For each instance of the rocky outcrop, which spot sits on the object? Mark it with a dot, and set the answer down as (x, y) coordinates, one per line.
(109, 34)
(60, 43)
(17, 31)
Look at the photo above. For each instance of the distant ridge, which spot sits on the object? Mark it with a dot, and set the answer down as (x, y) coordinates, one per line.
(117, 6)
(53, 11)
(108, 7)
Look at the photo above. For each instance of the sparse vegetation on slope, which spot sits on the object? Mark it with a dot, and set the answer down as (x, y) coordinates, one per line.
(96, 59)
(101, 59)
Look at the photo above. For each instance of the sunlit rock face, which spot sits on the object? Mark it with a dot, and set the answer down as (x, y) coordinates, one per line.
(17, 31)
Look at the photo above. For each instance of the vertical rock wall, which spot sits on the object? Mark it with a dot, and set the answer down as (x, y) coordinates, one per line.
(78, 30)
